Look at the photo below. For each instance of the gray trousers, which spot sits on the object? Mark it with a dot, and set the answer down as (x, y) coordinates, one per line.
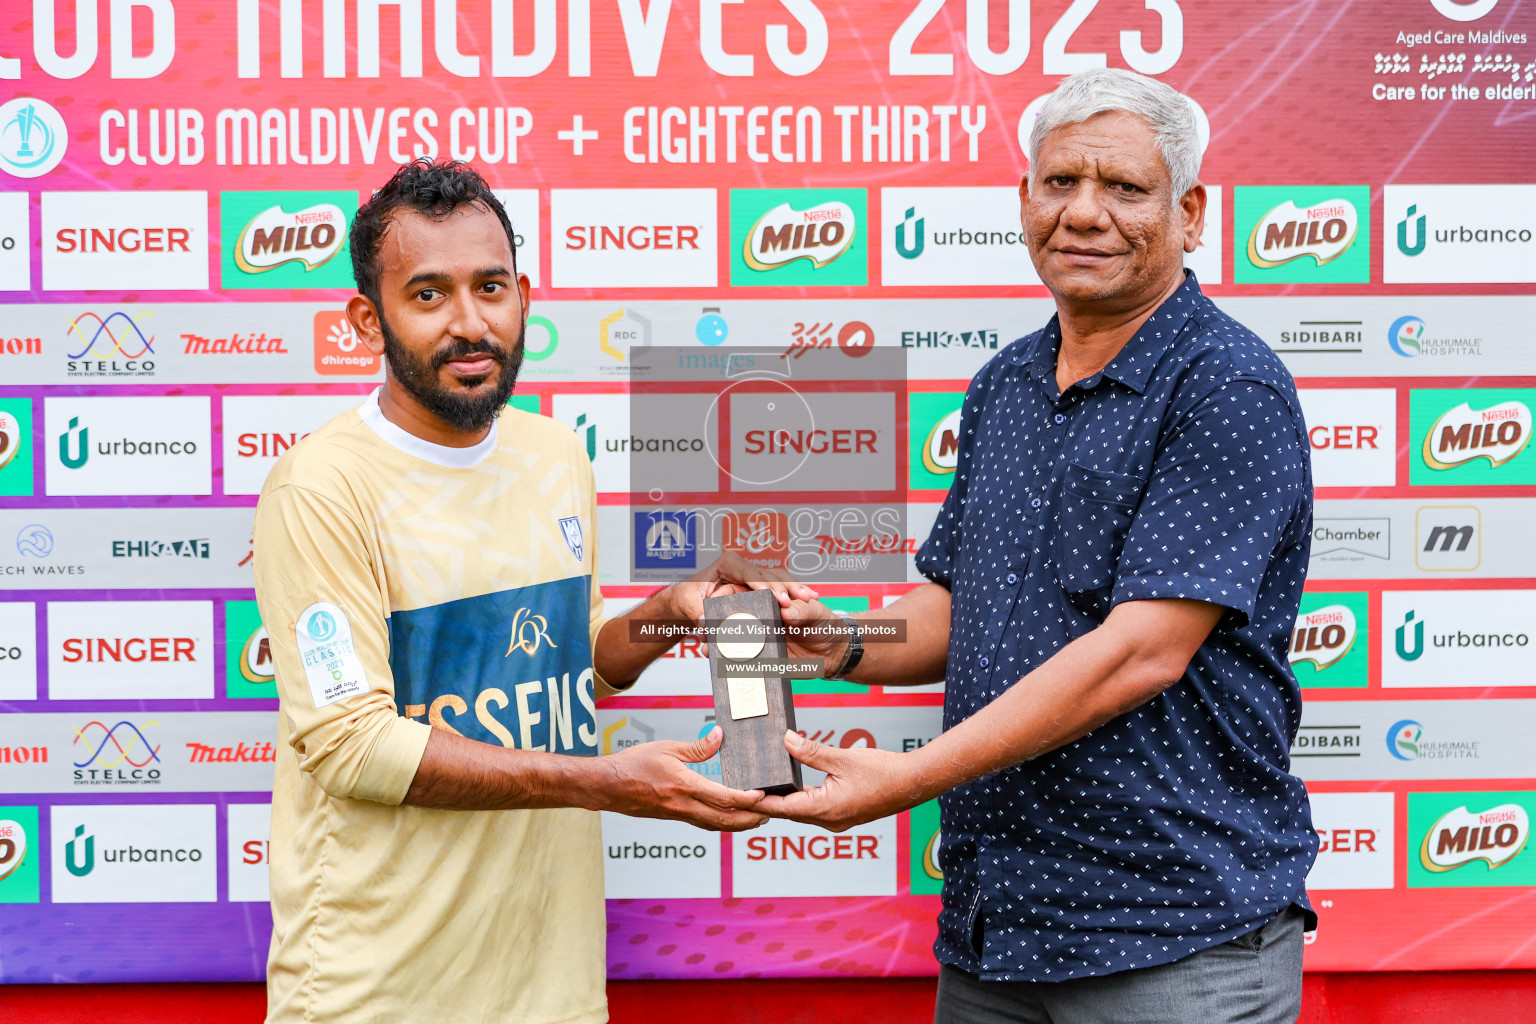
(1253, 979)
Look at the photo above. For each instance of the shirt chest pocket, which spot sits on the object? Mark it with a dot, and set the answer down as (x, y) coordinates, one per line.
(1093, 515)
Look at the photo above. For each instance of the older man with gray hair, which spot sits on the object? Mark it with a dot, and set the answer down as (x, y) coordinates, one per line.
(1114, 578)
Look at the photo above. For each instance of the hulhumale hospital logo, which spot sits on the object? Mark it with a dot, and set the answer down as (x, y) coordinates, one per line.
(33, 138)
(1403, 739)
(1406, 335)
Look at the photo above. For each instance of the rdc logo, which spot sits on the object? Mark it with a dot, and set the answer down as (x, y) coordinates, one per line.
(33, 138)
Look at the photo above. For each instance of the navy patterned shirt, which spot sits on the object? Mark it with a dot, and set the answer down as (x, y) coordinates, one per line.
(1181, 470)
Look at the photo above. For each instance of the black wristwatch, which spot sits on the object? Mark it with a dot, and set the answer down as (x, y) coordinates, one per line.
(855, 652)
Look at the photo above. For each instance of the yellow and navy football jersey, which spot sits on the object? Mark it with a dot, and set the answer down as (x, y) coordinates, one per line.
(408, 586)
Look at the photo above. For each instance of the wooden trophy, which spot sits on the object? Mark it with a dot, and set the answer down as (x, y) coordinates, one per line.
(754, 712)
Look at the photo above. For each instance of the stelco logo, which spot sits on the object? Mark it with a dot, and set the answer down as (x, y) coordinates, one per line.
(1495, 836)
(274, 238)
(103, 342)
(941, 451)
(784, 234)
(1323, 636)
(110, 754)
(1286, 233)
(75, 446)
(1497, 434)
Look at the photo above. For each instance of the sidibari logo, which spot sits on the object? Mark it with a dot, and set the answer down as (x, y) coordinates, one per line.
(274, 237)
(782, 235)
(529, 631)
(941, 450)
(1463, 434)
(1403, 739)
(1323, 636)
(1495, 836)
(1323, 231)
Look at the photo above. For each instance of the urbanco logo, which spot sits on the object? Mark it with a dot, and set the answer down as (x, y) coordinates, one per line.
(134, 853)
(1466, 234)
(953, 236)
(129, 445)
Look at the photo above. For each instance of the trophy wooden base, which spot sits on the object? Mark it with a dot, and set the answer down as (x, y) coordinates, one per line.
(753, 713)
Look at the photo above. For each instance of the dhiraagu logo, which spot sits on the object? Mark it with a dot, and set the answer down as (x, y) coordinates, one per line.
(799, 237)
(286, 239)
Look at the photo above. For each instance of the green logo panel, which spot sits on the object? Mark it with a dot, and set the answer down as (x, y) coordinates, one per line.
(527, 403)
(286, 239)
(851, 605)
(1330, 657)
(1259, 216)
(1462, 840)
(923, 851)
(247, 655)
(1464, 437)
(15, 447)
(21, 882)
(796, 258)
(932, 444)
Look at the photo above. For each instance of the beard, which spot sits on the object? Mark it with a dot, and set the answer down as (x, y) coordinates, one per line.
(466, 412)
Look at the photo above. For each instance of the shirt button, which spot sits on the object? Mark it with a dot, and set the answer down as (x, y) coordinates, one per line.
(1060, 419)
(982, 661)
(1034, 502)
(1013, 578)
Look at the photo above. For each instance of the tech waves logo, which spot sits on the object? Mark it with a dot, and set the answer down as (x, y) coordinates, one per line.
(119, 755)
(36, 540)
(1323, 231)
(1495, 836)
(1324, 636)
(1462, 434)
(784, 234)
(111, 346)
(274, 238)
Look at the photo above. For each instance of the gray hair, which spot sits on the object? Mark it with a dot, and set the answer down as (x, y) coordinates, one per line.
(1102, 90)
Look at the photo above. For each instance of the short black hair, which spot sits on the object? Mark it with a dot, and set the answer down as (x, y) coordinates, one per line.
(433, 189)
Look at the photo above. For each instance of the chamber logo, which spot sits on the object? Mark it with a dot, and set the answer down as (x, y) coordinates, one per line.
(1403, 739)
(1498, 434)
(1323, 231)
(941, 451)
(310, 237)
(1324, 636)
(1495, 836)
(33, 138)
(784, 234)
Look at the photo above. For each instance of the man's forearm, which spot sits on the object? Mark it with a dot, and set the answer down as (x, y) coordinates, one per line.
(617, 656)
(921, 656)
(465, 775)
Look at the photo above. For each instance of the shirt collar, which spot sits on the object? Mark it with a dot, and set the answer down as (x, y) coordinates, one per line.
(1133, 364)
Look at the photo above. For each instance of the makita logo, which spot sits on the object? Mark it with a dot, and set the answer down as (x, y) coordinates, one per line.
(274, 237)
(784, 234)
(1497, 434)
(234, 345)
(1287, 233)
(201, 753)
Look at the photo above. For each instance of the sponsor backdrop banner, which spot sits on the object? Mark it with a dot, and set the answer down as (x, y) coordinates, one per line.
(739, 180)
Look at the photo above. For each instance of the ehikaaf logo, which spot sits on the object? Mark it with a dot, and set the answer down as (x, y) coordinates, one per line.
(1463, 433)
(1323, 637)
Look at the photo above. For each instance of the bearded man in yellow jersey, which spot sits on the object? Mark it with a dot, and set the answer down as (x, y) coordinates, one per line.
(425, 567)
